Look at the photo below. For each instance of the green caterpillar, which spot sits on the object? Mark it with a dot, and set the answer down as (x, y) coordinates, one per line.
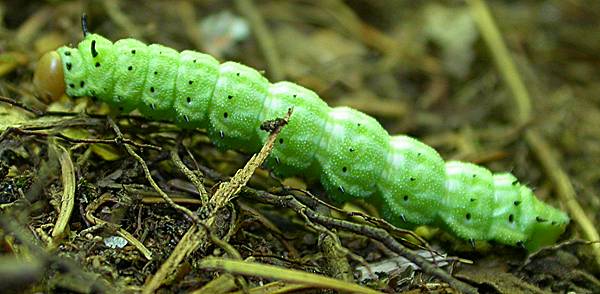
(349, 151)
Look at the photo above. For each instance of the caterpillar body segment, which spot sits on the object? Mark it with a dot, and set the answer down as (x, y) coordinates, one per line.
(235, 107)
(469, 200)
(124, 87)
(304, 132)
(414, 198)
(196, 92)
(347, 150)
(352, 154)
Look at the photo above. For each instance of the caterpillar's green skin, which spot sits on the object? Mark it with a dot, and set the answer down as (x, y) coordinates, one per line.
(349, 150)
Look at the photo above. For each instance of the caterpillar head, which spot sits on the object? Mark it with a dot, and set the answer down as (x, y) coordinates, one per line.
(49, 78)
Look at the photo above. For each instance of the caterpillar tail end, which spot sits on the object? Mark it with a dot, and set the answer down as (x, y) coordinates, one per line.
(49, 77)
(547, 228)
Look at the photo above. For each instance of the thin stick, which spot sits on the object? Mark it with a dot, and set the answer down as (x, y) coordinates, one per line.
(191, 176)
(19, 104)
(115, 141)
(67, 201)
(141, 161)
(89, 216)
(502, 58)
(279, 273)
(194, 237)
(372, 232)
(263, 36)
(543, 151)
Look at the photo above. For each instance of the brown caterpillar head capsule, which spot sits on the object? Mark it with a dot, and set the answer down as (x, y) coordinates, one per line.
(49, 78)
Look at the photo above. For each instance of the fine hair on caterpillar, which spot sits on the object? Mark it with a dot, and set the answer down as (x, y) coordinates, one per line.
(348, 151)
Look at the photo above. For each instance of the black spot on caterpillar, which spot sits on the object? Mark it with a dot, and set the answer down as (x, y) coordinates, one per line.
(351, 153)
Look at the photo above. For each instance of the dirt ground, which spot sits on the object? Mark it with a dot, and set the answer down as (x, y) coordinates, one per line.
(91, 202)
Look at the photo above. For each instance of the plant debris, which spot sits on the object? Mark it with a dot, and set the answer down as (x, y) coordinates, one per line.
(93, 202)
